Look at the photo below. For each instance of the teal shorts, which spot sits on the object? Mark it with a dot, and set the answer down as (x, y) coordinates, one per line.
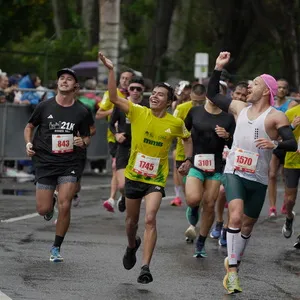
(203, 175)
(253, 193)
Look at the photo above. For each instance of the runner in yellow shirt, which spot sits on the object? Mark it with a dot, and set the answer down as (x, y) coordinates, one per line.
(197, 98)
(292, 175)
(146, 173)
(105, 110)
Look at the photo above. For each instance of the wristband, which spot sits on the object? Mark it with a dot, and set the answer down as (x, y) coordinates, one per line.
(292, 126)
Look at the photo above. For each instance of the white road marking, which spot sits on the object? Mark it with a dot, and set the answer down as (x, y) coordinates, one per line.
(29, 216)
(4, 297)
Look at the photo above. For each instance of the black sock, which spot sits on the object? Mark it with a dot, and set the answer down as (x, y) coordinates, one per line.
(201, 239)
(58, 241)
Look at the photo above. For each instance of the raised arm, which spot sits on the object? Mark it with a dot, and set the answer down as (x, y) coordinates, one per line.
(112, 85)
(213, 95)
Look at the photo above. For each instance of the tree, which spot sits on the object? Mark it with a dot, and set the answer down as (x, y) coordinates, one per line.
(109, 33)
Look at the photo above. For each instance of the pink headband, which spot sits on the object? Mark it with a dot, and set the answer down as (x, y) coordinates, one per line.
(271, 83)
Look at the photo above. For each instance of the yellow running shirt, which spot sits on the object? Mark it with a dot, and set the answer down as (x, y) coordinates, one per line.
(181, 112)
(106, 105)
(150, 144)
(292, 159)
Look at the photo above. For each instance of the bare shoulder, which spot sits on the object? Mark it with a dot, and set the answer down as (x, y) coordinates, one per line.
(277, 119)
(236, 107)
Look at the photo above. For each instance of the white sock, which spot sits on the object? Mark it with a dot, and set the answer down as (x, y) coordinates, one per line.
(111, 201)
(178, 191)
(242, 242)
(232, 237)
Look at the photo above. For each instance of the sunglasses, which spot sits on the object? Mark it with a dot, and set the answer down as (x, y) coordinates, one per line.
(138, 88)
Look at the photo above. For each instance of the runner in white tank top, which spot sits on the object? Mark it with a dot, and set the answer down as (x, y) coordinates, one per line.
(246, 173)
(244, 153)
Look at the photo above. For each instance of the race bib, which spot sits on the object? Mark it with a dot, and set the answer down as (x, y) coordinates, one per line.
(146, 165)
(245, 161)
(205, 162)
(62, 143)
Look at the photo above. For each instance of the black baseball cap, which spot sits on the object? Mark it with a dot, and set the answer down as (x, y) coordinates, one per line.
(67, 71)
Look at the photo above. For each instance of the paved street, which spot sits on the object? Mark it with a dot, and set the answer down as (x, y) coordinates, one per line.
(96, 241)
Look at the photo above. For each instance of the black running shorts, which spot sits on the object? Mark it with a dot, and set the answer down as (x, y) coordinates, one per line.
(280, 154)
(122, 156)
(112, 147)
(251, 192)
(138, 190)
(291, 177)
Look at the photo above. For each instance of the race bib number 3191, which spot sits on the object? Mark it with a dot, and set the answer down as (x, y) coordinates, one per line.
(146, 165)
(62, 143)
(245, 161)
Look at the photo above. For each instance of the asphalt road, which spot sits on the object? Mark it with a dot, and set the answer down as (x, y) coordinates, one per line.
(96, 241)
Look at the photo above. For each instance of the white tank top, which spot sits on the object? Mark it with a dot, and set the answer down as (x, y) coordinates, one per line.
(245, 134)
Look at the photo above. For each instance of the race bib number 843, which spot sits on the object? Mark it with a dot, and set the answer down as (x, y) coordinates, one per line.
(62, 143)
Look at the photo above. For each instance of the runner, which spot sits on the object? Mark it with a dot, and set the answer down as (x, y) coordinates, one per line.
(146, 173)
(122, 133)
(219, 231)
(292, 174)
(198, 96)
(246, 173)
(282, 103)
(211, 130)
(105, 110)
(62, 129)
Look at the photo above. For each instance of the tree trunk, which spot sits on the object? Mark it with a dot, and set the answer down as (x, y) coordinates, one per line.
(90, 20)
(109, 34)
(158, 38)
(61, 16)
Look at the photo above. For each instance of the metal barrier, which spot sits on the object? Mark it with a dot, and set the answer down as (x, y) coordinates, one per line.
(13, 119)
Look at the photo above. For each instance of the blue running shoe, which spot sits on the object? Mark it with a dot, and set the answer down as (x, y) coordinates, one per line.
(55, 255)
(216, 231)
(200, 250)
(223, 238)
(192, 215)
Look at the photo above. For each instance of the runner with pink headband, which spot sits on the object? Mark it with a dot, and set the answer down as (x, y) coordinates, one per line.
(271, 83)
(258, 129)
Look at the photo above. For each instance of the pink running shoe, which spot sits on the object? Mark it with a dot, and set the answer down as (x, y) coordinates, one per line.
(283, 209)
(108, 206)
(272, 212)
(176, 202)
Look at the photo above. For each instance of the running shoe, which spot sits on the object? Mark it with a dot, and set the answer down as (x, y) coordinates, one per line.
(297, 244)
(231, 280)
(76, 200)
(192, 215)
(48, 216)
(129, 259)
(287, 229)
(190, 233)
(223, 238)
(55, 255)
(200, 250)
(145, 275)
(108, 205)
(176, 202)
(272, 212)
(283, 209)
(121, 204)
(216, 231)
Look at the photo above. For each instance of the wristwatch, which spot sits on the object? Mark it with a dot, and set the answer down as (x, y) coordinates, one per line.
(190, 158)
(275, 144)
